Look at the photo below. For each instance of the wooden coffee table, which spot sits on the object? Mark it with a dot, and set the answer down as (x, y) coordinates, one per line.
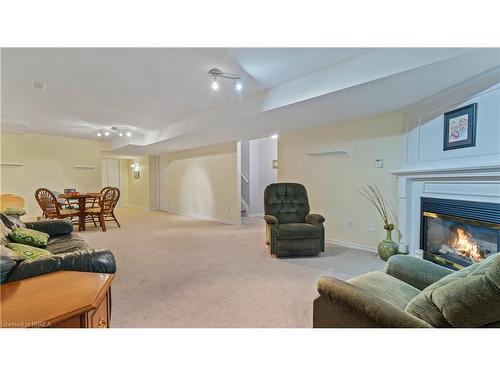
(64, 299)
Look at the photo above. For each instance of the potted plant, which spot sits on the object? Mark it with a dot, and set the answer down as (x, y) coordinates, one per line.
(387, 247)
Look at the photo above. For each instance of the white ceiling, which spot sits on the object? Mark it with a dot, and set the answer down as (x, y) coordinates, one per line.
(165, 97)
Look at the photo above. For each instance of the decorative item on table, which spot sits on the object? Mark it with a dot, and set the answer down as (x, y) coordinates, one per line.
(14, 212)
(387, 247)
(460, 128)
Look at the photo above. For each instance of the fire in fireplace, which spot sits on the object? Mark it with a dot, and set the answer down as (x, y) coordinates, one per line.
(458, 233)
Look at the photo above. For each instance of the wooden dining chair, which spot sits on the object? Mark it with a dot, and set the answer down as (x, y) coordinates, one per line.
(51, 208)
(105, 208)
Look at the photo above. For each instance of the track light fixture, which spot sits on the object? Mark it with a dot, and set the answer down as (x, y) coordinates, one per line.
(216, 73)
(120, 132)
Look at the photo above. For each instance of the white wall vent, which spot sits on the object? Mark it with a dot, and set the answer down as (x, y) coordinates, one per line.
(39, 85)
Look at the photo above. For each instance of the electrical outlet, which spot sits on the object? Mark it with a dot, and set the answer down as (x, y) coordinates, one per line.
(371, 227)
(349, 224)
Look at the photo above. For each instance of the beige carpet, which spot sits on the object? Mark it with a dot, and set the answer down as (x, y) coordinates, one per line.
(175, 271)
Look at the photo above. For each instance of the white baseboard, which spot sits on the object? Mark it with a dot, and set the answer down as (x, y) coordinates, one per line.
(134, 206)
(210, 218)
(256, 215)
(352, 245)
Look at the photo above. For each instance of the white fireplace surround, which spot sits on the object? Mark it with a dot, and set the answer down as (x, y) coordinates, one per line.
(479, 183)
(469, 174)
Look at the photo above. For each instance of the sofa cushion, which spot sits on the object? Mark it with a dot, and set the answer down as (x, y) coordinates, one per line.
(386, 287)
(298, 230)
(8, 261)
(466, 298)
(29, 237)
(66, 243)
(29, 252)
(11, 222)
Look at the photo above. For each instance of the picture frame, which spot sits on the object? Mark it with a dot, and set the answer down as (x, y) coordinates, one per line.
(460, 127)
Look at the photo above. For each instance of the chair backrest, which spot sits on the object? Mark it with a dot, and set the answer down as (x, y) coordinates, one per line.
(47, 202)
(109, 199)
(11, 201)
(286, 201)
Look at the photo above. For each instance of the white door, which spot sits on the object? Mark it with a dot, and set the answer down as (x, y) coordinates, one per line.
(110, 173)
(162, 181)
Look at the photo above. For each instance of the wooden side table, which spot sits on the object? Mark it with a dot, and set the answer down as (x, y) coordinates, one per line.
(64, 299)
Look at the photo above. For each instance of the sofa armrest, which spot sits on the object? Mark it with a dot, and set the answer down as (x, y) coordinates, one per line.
(315, 219)
(100, 261)
(271, 220)
(417, 272)
(52, 227)
(358, 308)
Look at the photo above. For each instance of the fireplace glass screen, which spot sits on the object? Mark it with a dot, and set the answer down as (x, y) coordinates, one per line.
(457, 243)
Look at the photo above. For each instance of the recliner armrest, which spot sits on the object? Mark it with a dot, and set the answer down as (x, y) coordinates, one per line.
(364, 306)
(271, 220)
(417, 272)
(315, 219)
(55, 227)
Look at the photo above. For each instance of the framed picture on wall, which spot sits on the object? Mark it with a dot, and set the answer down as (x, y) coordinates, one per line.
(460, 127)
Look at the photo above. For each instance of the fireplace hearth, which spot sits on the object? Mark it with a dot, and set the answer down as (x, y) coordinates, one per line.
(457, 233)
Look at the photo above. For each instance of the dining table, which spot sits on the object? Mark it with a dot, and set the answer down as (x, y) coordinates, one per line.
(82, 201)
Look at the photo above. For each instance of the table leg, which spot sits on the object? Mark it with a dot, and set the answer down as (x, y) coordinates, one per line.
(81, 206)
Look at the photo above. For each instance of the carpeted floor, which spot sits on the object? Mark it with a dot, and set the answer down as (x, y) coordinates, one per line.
(175, 271)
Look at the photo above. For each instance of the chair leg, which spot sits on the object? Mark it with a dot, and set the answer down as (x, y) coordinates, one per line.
(103, 222)
(93, 219)
(114, 217)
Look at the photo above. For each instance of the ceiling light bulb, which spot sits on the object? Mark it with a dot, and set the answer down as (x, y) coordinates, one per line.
(99, 134)
(120, 134)
(274, 136)
(238, 86)
(215, 85)
(106, 134)
(129, 134)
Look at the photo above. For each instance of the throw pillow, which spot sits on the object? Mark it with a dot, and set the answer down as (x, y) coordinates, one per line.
(29, 237)
(29, 252)
(4, 232)
(11, 222)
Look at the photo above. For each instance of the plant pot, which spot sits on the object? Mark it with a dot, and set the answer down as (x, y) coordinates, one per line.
(387, 247)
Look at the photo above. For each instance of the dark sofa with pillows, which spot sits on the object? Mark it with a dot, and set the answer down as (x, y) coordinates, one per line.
(66, 252)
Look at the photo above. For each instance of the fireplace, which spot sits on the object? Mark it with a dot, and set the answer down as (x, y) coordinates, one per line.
(457, 233)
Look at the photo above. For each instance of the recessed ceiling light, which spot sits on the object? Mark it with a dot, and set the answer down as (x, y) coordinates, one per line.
(99, 134)
(120, 134)
(129, 134)
(106, 134)
(215, 85)
(238, 86)
(274, 136)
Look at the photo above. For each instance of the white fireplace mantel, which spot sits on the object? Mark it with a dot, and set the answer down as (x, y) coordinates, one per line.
(479, 183)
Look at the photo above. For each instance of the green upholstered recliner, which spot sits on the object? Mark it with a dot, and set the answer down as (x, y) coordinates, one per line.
(412, 292)
(290, 229)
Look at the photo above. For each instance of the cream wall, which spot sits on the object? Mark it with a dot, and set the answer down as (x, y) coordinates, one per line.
(139, 189)
(48, 161)
(205, 183)
(332, 181)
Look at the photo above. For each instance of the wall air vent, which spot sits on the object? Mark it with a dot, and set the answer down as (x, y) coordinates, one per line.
(39, 85)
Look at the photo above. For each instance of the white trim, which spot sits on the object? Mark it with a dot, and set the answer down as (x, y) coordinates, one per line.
(352, 245)
(258, 214)
(203, 217)
(134, 206)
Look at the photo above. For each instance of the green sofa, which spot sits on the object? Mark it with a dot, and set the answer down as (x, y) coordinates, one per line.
(290, 229)
(412, 293)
